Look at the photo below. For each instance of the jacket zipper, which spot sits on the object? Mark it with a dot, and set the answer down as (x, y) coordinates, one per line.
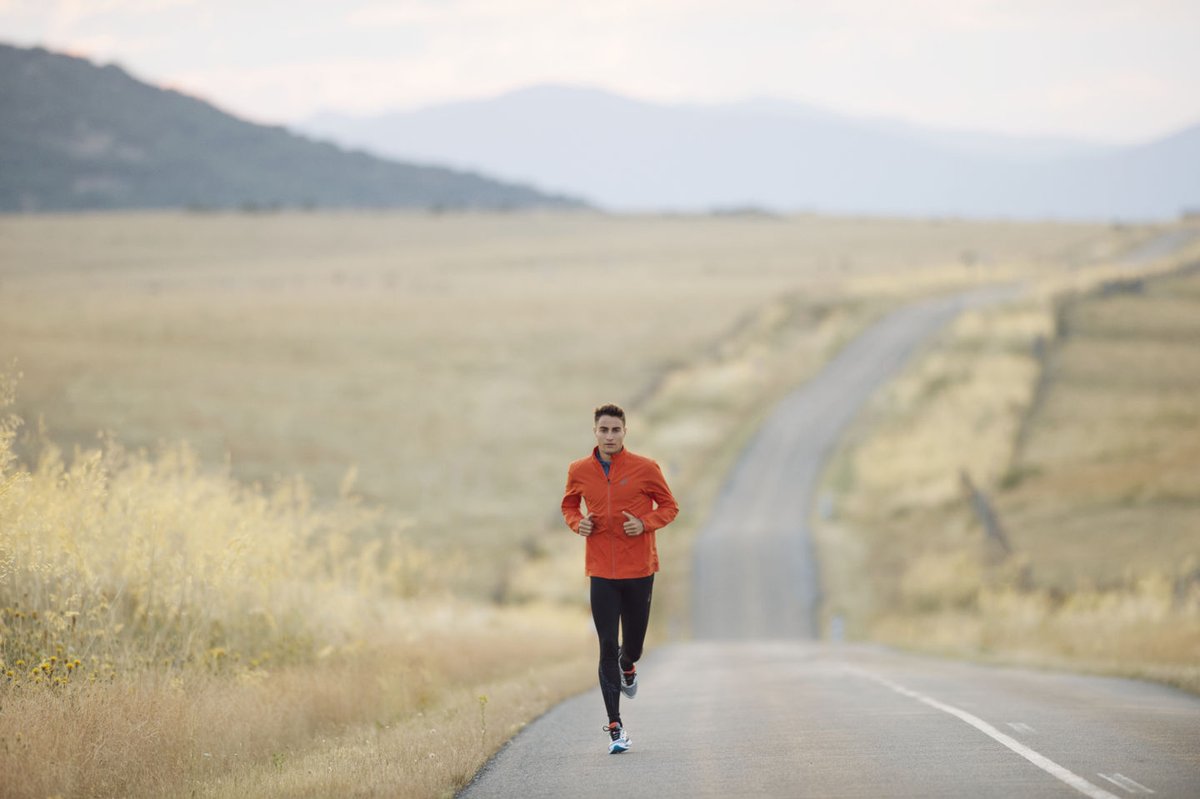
(612, 518)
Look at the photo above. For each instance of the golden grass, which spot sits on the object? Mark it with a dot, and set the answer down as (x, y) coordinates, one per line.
(1089, 454)
(399, 716)
(430, 754)
(166, 631)
(125, 560)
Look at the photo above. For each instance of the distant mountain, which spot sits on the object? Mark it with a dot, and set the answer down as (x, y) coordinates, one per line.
(632, 155)
(74, 135)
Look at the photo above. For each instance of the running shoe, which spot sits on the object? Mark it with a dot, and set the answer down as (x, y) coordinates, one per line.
(619, 740)
(629, 682)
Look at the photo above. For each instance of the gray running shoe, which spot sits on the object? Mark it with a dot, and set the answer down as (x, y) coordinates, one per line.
(629, 682)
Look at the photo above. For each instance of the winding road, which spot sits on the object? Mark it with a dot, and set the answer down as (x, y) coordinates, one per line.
(756, 707)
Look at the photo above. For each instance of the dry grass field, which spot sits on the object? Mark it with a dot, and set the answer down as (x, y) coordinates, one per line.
(336, 440)
(451, 361)
(1075, 411)
(166, 631)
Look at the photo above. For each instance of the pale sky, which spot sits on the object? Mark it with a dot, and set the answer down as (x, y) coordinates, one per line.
(1102, 70)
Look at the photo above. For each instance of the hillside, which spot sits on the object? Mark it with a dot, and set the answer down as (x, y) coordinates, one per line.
(628, 154)
(1025, 490)
(77, 136)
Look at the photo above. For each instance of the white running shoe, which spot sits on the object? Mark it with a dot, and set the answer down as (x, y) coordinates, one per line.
(619, 742)
(629, 682)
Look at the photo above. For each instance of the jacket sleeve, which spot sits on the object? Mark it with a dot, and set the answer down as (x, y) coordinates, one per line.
(657, 490)
(570, 501)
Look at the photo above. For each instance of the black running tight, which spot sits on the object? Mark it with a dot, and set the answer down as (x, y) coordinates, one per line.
(625, 603)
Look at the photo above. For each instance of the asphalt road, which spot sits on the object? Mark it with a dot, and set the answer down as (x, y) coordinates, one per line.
(754, 573)
(757, 708)
(799, 719)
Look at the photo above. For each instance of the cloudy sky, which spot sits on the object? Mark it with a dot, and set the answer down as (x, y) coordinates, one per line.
(1103, 70)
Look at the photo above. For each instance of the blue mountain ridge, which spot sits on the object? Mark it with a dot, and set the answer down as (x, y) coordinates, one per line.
(628, 154)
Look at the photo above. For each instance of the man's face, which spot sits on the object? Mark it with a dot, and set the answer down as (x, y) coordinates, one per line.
(610, 435)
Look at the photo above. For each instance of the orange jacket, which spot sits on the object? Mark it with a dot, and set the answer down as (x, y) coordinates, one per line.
(635, 484)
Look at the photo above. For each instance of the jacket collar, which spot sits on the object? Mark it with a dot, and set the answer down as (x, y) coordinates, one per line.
(616, 458)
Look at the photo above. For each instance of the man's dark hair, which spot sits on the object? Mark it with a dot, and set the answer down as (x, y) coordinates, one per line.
(610, 410)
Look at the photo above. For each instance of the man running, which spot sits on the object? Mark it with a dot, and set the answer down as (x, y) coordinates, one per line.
(627, 500)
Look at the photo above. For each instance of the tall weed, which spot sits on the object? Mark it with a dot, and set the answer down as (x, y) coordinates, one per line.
(121, 560)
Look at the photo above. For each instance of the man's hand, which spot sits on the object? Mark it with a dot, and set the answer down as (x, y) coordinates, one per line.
(633, 525)
(585, 526)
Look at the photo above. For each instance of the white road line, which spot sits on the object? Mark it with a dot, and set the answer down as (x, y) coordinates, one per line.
(1041, 761)
(1020, 726)
(1121, 781)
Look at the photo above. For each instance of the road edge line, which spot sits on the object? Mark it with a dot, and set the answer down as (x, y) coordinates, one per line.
(1036, 758)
